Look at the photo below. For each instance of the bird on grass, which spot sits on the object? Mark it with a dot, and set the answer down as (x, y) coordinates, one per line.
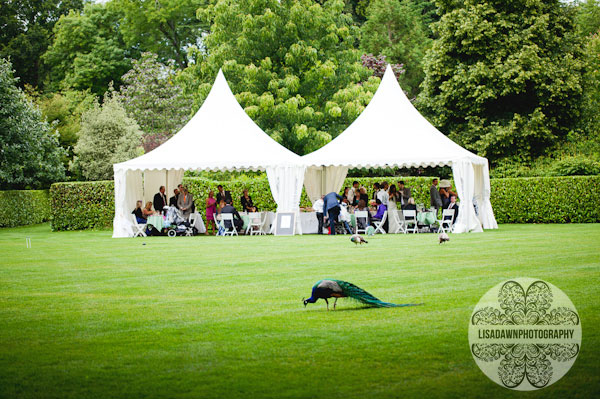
(444, 237)
(357, 239)
(330, 288)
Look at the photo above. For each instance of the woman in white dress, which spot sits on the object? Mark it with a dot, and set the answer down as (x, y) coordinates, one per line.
(392, 208)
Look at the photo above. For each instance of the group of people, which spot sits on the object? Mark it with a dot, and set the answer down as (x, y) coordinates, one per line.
(386, 197)
(183, 200)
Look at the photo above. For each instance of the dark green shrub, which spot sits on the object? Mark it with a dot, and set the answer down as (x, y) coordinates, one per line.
(82, 205)
(23, 207)
(569, 199)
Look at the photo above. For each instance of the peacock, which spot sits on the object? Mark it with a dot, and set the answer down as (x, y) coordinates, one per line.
(357, 239)
(443, 238)
(330, 288)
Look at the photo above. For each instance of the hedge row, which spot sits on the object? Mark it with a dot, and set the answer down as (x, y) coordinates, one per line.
(569, 199)
(23, 207)
(84, 205)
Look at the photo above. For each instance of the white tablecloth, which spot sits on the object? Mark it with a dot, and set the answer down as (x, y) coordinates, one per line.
(199, 223)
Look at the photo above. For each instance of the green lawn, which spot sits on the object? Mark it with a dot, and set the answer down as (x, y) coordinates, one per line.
(83, 315)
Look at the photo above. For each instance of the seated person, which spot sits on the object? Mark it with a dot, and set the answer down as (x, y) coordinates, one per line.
(363, 195)
(139, 215)
(247, 204)
(361, 223)
(381, 208)
(237, 220)
(410, 205)
(147, 211)
(453, 205)
(445, 192)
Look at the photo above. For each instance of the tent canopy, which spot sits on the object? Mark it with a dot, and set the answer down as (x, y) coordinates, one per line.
(391, 132)
(220, 136)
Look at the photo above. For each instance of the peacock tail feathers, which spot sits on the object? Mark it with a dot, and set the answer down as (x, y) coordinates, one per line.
(357, 293)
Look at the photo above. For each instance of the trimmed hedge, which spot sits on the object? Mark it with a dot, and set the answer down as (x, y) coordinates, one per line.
(23, 207)
(569, 199)
(573, 199)
(82, 205)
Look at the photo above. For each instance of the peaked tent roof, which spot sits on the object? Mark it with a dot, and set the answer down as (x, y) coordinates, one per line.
(390, 132)
(221, 136)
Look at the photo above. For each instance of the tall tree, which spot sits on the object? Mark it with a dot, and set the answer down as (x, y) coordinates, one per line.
(151, 96)
(396, 30)
(26, 32)
(588, 16)
(30, 156)
(88, 51)
(164, 27)
(504, 78)
(286, 61)
(107, 136)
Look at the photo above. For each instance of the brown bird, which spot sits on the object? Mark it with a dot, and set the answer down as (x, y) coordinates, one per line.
(444, 237)
(357, 239)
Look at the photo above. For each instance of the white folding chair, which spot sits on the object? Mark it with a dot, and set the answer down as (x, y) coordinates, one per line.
(255, 223)
(410, 219)
(225, 217)
(139, 229)
(361, 215)
(394, 215)
(192, 219)
(379, 223)
(446, 222)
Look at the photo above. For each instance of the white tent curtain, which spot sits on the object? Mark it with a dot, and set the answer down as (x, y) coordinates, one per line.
(320, 181)
(482, 195)
(464, 180)
(128, 189)
(286, 187)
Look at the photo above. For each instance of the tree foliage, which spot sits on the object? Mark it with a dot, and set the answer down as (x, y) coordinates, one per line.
(151, 96)
(588, 17)
(88, 51)
(30, 156)
(107, 136)
(293, 65)
(396, 30)
(165, 27)
(26, 32)
(504, 78)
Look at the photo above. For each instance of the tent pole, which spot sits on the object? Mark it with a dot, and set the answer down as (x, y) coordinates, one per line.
(323, 180)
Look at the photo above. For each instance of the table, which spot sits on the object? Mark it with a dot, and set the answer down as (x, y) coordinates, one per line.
(156, 220)
(426, 217)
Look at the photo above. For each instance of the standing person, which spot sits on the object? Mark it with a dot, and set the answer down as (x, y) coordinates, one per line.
(174, 198)
(383, 193)
(346, 190)
(375, 190)
(353, 194)
(434, 195)
(363, 195)
(404, 192)
(185, 202)
(318, 208)
(392, 207)
(211, 211)
(331, 209)
(160, 200)
(223, 195)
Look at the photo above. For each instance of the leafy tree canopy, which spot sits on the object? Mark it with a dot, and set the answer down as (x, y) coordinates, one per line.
(396, 30)
(30, 156)
(504, 78)
(26, 32)
(88, 51)
(107, 136)
(165, 27)
(588, 16)
(152, 97)
(293, 65)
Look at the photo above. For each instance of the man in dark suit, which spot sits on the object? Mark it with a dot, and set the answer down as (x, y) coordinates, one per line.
(160, 199)
(453, 205)
(237, 220)
(173, 199)
(223, 195)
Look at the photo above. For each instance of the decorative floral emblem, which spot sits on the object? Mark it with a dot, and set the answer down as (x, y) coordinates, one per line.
(525, 334)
